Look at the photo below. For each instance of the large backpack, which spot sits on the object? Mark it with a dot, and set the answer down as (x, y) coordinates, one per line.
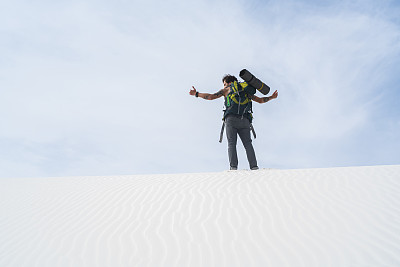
(238, 101)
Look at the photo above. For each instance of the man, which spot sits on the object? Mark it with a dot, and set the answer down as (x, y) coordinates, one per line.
(237, 116)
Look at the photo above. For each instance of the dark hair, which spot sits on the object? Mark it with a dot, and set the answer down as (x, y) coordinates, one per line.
(229, 78)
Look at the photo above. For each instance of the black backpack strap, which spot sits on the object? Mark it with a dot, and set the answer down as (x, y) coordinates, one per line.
(222, 132)
(252, 130)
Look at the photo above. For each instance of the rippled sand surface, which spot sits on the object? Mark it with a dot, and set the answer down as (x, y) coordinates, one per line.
(307, 217)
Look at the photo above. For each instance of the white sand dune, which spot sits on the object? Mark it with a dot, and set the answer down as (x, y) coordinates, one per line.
(310, 217)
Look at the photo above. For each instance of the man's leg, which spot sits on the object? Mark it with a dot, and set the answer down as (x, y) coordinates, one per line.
(231, 136)
(244, 134)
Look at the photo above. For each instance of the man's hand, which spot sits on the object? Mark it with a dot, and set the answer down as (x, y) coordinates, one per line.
(274, 95)
(193, 91)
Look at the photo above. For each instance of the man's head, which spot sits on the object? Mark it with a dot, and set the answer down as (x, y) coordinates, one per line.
(227, 79)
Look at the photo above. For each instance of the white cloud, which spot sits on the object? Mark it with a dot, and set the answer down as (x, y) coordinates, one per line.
(116, 76)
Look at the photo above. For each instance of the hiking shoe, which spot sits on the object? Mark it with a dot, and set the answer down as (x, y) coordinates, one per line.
(254, 168)
(233, 168)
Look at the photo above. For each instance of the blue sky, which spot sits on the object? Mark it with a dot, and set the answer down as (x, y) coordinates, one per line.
(101, 87)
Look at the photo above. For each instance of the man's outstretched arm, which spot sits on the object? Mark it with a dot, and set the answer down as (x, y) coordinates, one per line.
(265, 99)
(206, 95)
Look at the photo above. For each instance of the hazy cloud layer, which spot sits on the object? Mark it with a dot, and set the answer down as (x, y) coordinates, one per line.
(98, 88)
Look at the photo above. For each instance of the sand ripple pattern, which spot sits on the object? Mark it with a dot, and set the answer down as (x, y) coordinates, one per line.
(310, 217)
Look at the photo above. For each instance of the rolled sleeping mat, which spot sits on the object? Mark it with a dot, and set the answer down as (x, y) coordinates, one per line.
(253, 81)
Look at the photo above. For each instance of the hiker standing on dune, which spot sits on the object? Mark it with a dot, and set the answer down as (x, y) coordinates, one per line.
(238, 114)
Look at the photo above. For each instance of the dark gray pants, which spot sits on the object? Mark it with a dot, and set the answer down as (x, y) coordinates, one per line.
(239, 126)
